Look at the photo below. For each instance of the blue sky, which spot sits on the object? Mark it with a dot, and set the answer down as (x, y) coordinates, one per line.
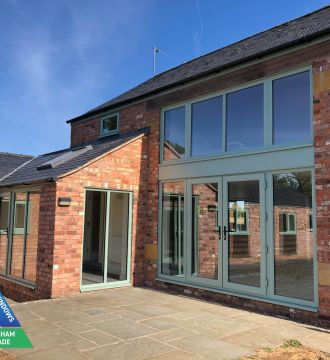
(59, 58)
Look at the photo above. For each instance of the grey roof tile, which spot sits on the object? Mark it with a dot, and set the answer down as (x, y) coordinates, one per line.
(301, 29)
(9, 162)
(29, 173)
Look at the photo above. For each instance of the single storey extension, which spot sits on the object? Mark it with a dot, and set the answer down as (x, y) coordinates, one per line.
(210, 179)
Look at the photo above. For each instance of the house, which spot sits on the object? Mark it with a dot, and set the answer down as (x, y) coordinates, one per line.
(210, 179)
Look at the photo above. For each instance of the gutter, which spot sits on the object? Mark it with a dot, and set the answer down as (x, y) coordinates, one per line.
(200, 75)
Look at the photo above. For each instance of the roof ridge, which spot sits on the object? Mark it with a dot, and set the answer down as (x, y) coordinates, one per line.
(14, 154)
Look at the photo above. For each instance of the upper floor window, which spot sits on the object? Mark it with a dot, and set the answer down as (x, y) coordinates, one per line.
(206, 127)
(245, 118)
(292, 109)
(265, 114)
(174, 133)
(109, 124)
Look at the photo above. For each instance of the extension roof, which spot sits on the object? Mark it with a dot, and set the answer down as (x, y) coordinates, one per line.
(302, 29)
(9, 162)
(50, 167)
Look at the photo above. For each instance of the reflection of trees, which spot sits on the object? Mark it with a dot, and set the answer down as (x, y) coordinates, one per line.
(301, 182)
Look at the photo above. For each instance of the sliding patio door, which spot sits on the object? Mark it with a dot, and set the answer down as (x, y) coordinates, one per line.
(244, 267)
(106, 248)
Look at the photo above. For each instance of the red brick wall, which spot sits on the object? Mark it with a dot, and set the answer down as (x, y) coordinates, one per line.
(124, 169)
(321, 77)
(148, 114)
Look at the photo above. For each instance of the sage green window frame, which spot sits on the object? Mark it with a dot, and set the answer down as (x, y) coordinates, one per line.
(12, 231)
(4, 231)
(267, 83)
(239, 232)
(267, 294)
(106, 284)
(19, 230)
(105, 117)
(288, 215)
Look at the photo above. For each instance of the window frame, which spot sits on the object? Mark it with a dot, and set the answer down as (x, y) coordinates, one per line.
(12, 231)
(288, 231)
(2, 231)
(267, 83)
(108, 116)
(238, 232)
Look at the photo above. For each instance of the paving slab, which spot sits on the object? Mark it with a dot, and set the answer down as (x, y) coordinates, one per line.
(136, 323)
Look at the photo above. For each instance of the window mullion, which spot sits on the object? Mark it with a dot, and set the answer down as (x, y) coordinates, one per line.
(26, 219)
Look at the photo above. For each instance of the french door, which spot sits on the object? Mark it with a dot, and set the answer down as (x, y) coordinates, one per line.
(107, 241)
(227, 231)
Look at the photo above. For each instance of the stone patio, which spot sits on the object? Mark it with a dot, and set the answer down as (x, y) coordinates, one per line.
(137, 323)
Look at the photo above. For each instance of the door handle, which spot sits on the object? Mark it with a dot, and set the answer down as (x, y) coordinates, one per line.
(225, 231)
(219, 230)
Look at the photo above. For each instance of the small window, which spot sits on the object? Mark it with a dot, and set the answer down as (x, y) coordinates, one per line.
(238, 221)
(4, 214)
(110, 124)
(19, 221)
(287, 223)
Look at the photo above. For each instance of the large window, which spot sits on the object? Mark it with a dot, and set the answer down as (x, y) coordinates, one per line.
(206, 127)
(250, 233)
(245, 117)
(174, 134)
(291, 109)
(268, 114)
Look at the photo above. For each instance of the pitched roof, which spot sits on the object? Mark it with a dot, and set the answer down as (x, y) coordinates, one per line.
(299, 30)
(9, 162)
(49, 167)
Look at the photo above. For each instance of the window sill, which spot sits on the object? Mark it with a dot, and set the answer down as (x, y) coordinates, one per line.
(115, 132)
(18, 281)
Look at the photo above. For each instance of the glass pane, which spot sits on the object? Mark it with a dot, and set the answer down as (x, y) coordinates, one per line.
(293, 241)
(94, 235)
(30, 269)
(244, 233)
(4, 216)
(245, 119)
(206, 123)
(109, 124)
(19, 215)
(173, 227)
(291, 109)
(17, 247)
(118, 237)
(205, 235)
(174, 133)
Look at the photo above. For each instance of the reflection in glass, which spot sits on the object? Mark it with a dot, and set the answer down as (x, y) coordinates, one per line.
(205, 235)
(293, 235)
(172, 228)
(118, 236)
(17, 246)
(291, 109)
(4, 216)
(174, 133)
(206, 127)
(244, 233)
(94, 235)
(245, 119)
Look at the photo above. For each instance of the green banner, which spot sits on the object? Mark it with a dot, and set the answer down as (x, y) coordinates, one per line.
(14, 338)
